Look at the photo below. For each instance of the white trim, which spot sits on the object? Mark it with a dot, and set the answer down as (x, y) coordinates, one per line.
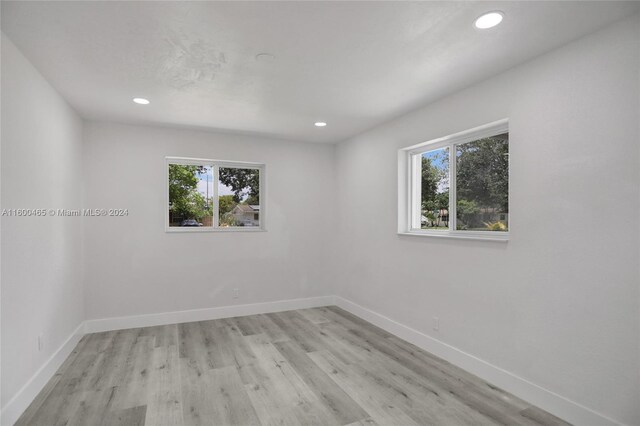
(177, 317)
(453, 189)
(460, 235)
(25, 396)
(204, 229)
(404, 182)
(211, 162)
(262, 181)
(415, 190)
(460, 137)
(216, 198)
(530, 392)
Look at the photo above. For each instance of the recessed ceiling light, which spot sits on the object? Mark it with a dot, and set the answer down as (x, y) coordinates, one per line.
(141, 101)
(489, 20)
(320, 124)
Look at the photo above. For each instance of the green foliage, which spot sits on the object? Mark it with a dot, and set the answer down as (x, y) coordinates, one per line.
(482, 182)
(433, 201)
(432, 218)
(225, 206)
(182, 180)
(185, 201)
(466, 207)
(228, 219)
(482, 175)
(226, 203)
(466, 212)
(482, 169)
(252, 200)
(495, 226)
(243, 183)
(431, 177)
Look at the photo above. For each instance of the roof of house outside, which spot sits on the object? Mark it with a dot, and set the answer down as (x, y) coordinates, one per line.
(248, 208)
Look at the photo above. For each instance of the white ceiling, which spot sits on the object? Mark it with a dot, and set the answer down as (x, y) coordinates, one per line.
(351, 64)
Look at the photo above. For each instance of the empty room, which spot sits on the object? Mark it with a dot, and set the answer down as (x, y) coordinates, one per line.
(363, 213)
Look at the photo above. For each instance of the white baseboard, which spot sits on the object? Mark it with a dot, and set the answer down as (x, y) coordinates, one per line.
(16, 405)
(176, 317)
(543, 398)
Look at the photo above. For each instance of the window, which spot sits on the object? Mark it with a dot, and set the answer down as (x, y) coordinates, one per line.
(457, 186)
(214, 195)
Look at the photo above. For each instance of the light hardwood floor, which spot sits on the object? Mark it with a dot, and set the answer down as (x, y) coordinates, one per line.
(319, 366)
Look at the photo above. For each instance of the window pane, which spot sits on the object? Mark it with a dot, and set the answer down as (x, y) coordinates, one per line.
(239, 197)
(482, 184)
(435, 189)
(190, 195)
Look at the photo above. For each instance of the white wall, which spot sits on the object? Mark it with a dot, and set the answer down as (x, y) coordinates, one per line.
(134, 267)
(559, 303)
(42, 291)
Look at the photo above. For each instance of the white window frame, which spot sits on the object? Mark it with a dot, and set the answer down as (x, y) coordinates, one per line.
(216, 165)
(409, 184)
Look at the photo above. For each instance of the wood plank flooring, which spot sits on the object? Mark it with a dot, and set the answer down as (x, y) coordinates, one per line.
(320, 366)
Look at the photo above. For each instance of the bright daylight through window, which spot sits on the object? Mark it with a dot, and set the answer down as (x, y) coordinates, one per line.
(458, 186)
(210, 195)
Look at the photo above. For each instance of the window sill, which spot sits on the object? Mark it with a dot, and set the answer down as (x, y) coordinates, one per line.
(502, 237)
(209, 229)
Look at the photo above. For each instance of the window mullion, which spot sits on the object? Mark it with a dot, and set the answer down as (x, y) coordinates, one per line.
(261, 186)
(216, 199)
(452, 188)
(416, 196)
